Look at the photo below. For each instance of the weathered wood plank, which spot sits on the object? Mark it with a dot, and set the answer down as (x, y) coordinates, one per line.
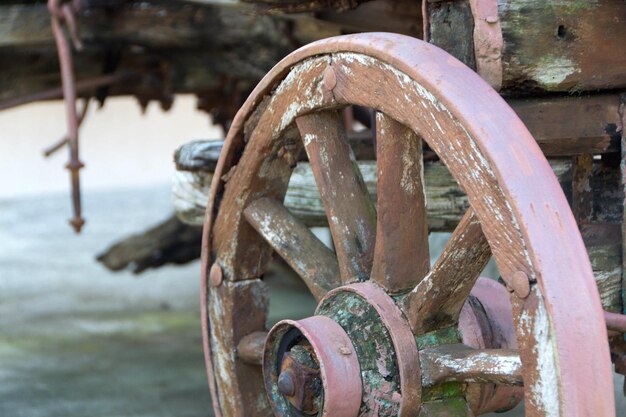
(593, 127)
(549, 45)
(582, 203)
(604, 245)
(175, 46)
(164, 25)
(559, 54)
(451, 28)
(198, 156)
(303, 6)
(396, 16)
(572, 46)
(169, 242)
(199, 47)
(446, 202)
(572, 125)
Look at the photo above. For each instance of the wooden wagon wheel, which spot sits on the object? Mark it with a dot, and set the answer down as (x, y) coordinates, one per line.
(386, 339)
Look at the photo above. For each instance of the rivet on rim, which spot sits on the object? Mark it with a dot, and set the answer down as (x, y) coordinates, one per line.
(491, 19)
(345, 351)
(520, 284)
(215, 275)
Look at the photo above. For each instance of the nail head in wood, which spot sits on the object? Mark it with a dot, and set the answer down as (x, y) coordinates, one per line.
(330, 78)
(215, 275)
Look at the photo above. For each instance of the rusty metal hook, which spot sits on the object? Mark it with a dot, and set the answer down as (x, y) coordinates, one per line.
(50, 150)
(63, 13)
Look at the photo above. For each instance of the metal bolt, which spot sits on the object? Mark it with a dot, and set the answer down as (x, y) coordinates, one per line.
(520, 284)
(286, 385)
(330, 78)
(215, 275)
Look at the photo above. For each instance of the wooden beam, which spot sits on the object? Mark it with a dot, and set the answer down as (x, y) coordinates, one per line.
(176, 47)
(548, 45)
(572, 125)
(562, 126)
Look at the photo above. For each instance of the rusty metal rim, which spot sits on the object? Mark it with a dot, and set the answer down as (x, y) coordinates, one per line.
(402, 338)
(343, 375)
(580, 333)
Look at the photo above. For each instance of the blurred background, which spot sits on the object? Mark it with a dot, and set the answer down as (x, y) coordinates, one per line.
(75, 338)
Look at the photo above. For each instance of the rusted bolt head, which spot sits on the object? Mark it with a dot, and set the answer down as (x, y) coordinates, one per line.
(215, 275)
(297, 380)
(520, 284)
(330, 78)
(286, 386)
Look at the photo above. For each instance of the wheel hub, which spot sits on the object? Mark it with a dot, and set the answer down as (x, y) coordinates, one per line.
(356, 356)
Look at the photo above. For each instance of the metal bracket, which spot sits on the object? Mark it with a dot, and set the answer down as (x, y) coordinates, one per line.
(488, 41)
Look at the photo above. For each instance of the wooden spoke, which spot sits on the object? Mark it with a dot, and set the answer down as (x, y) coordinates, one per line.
(401, 257)
(351, 214)
(296, 244)
(461, 363)
(437, 300)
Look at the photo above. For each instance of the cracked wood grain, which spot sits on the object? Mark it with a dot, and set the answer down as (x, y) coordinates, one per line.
(296, 244)
(436, 302)
(401, 256)
(349, 209)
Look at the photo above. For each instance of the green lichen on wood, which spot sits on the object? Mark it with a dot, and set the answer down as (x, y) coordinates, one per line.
(446, 336)
(539, 40)
(372, 343)
(448, 390)
(448, 407)
(445, 390)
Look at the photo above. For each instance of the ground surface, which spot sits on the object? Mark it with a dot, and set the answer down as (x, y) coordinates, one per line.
(76, 340)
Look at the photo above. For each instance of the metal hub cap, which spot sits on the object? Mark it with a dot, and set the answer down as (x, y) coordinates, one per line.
(309, 369)
(317, 364)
